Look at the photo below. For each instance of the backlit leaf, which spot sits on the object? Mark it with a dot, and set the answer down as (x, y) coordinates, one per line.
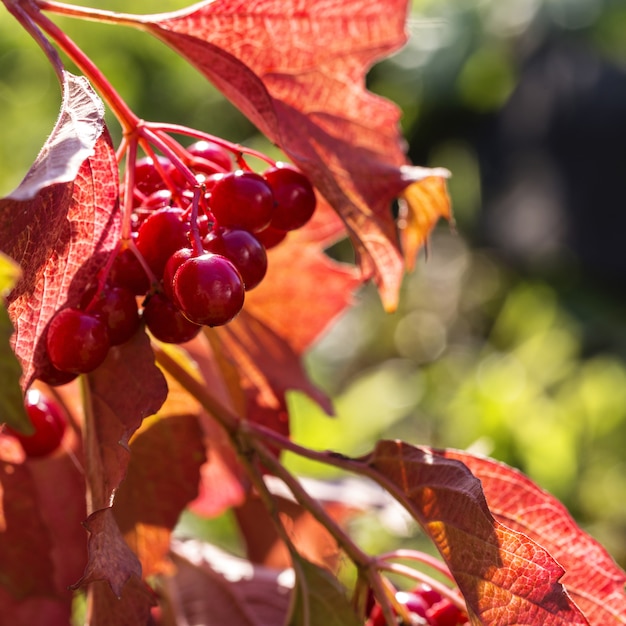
(591, 577)
(297, 70)
(61, 220)
(162, 478)
(505, 577)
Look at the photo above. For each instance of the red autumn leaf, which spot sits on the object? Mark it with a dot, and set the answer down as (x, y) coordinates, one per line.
(592, 578)
(60, 220)
(297, 70)
(505, 577)
(162, 478)
(303, 292)
(132, 608)
(110, 558)
(310, 538)
(126, 388)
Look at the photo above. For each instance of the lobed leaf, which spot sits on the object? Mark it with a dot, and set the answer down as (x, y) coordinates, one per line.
(591, 577)
(297, 70)
(505, 576)
(60, 221)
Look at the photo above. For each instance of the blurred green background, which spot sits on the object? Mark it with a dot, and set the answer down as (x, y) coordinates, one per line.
(510, 338)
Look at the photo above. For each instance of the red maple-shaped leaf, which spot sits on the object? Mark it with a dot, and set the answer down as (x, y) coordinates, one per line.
(61, 220)
(296, 69)
(505, 576)
(591, 577)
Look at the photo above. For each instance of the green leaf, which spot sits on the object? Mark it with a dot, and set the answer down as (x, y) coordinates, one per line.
(319, 599)
(12, 410)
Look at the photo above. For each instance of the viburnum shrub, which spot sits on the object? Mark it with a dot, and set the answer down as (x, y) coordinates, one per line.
(160, 296)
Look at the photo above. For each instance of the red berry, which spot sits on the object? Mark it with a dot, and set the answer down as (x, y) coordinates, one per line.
(211, 152)
(270, 237)
(208, 289)
(127, 272)
(117, 307)
(173, 263)
(166, 322)
(294, 197)
(444, 613)
(49, 423)
(243, 250)
(164, 232)
(52, 376)
(430, 595)
(242, 200)
(147, 176)
(76, 341)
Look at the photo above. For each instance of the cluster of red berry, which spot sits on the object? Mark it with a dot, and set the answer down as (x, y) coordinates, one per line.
(426, 606)
(196, 247)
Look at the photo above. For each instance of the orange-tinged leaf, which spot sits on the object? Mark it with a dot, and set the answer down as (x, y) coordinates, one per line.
(296, 69)
(303, 292)
(591, 577)
(162, 478)
(505, 577)
(424, 202)
(60, 221)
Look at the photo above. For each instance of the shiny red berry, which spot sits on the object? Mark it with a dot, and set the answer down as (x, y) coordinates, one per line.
(212, 153)
(242, 200)
(77, 341)
(243, 250)
(208, 289)
(166, 322)
(163, 232)
(49, 423)
(117, 307)
(294, 197)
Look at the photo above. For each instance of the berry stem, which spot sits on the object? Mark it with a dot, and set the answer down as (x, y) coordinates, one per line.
(409, 572)
(420, 557)
(152, 135)
(235, 148)
(88, 13)
(129, 185)
(196, 240)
